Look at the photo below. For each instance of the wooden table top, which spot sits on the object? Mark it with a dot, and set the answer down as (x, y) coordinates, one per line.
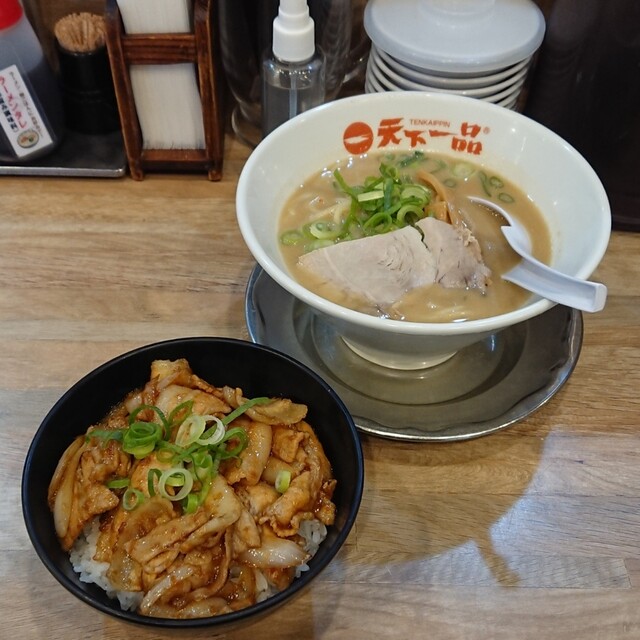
(532, 532)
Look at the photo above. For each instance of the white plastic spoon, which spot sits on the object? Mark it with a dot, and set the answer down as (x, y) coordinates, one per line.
(534, 276)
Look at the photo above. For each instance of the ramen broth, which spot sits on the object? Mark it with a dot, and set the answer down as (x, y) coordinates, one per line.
(319, 197)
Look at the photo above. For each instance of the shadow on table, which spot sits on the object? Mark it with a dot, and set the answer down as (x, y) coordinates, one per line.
(428, 510)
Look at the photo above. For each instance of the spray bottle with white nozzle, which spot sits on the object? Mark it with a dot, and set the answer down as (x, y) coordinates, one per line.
(293, 73)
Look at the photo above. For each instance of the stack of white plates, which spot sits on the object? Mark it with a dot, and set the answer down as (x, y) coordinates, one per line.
(477, 48)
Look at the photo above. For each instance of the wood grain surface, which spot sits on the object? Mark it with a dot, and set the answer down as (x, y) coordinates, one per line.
(530, 533)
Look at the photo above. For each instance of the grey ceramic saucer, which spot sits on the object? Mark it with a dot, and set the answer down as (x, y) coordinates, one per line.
(488, 386)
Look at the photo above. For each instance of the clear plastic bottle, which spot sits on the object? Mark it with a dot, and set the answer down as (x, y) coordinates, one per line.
(293, 73)
(31, 112)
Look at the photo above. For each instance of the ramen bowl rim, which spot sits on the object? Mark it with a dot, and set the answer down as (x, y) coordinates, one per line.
(386, 325)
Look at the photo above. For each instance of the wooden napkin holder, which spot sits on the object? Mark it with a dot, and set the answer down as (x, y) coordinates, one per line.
(168, 48)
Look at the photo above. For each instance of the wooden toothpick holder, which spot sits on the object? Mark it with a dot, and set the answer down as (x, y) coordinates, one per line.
(168, 48)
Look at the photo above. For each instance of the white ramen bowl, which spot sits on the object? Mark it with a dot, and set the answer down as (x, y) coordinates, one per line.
(555, 176)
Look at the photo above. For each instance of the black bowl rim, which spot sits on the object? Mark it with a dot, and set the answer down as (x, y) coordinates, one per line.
(228, 619)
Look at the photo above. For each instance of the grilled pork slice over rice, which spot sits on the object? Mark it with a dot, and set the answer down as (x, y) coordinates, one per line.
(189, 500)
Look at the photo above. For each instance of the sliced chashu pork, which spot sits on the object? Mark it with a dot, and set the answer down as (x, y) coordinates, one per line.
(456, 253)
(383, 268)
(379, 268)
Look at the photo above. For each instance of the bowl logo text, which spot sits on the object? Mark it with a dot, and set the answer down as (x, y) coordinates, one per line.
(359, 137)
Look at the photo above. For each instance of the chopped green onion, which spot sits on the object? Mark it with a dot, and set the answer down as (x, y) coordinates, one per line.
(416, 156)
(213, 435)
(283, 480)
(141, 437)
(485, 182)
(167, 451)
(506, 197)
(370, 195)
(343, 184)
(379, 221)
(389, 171)
(106, 434)
(118, 483)
(191, 429)
(389, 193)
(378, 205)
(462, 170)
(203, 468)
(152, 476)
(238, 411)
(140, 451)
(324, 230)
(440, 165)
(206, 483)
(235, 434)
(195, 455)
(416, 191)
(317, 244)
(134, 414)
(185, 407)
(175, 477)
(413, 209)
(291, 238)
(183, 454)
(132, 498)
(191, 503)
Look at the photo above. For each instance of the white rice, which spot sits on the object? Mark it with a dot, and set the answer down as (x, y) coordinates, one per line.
(313, 532)
(263, 589)
(91, 571)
